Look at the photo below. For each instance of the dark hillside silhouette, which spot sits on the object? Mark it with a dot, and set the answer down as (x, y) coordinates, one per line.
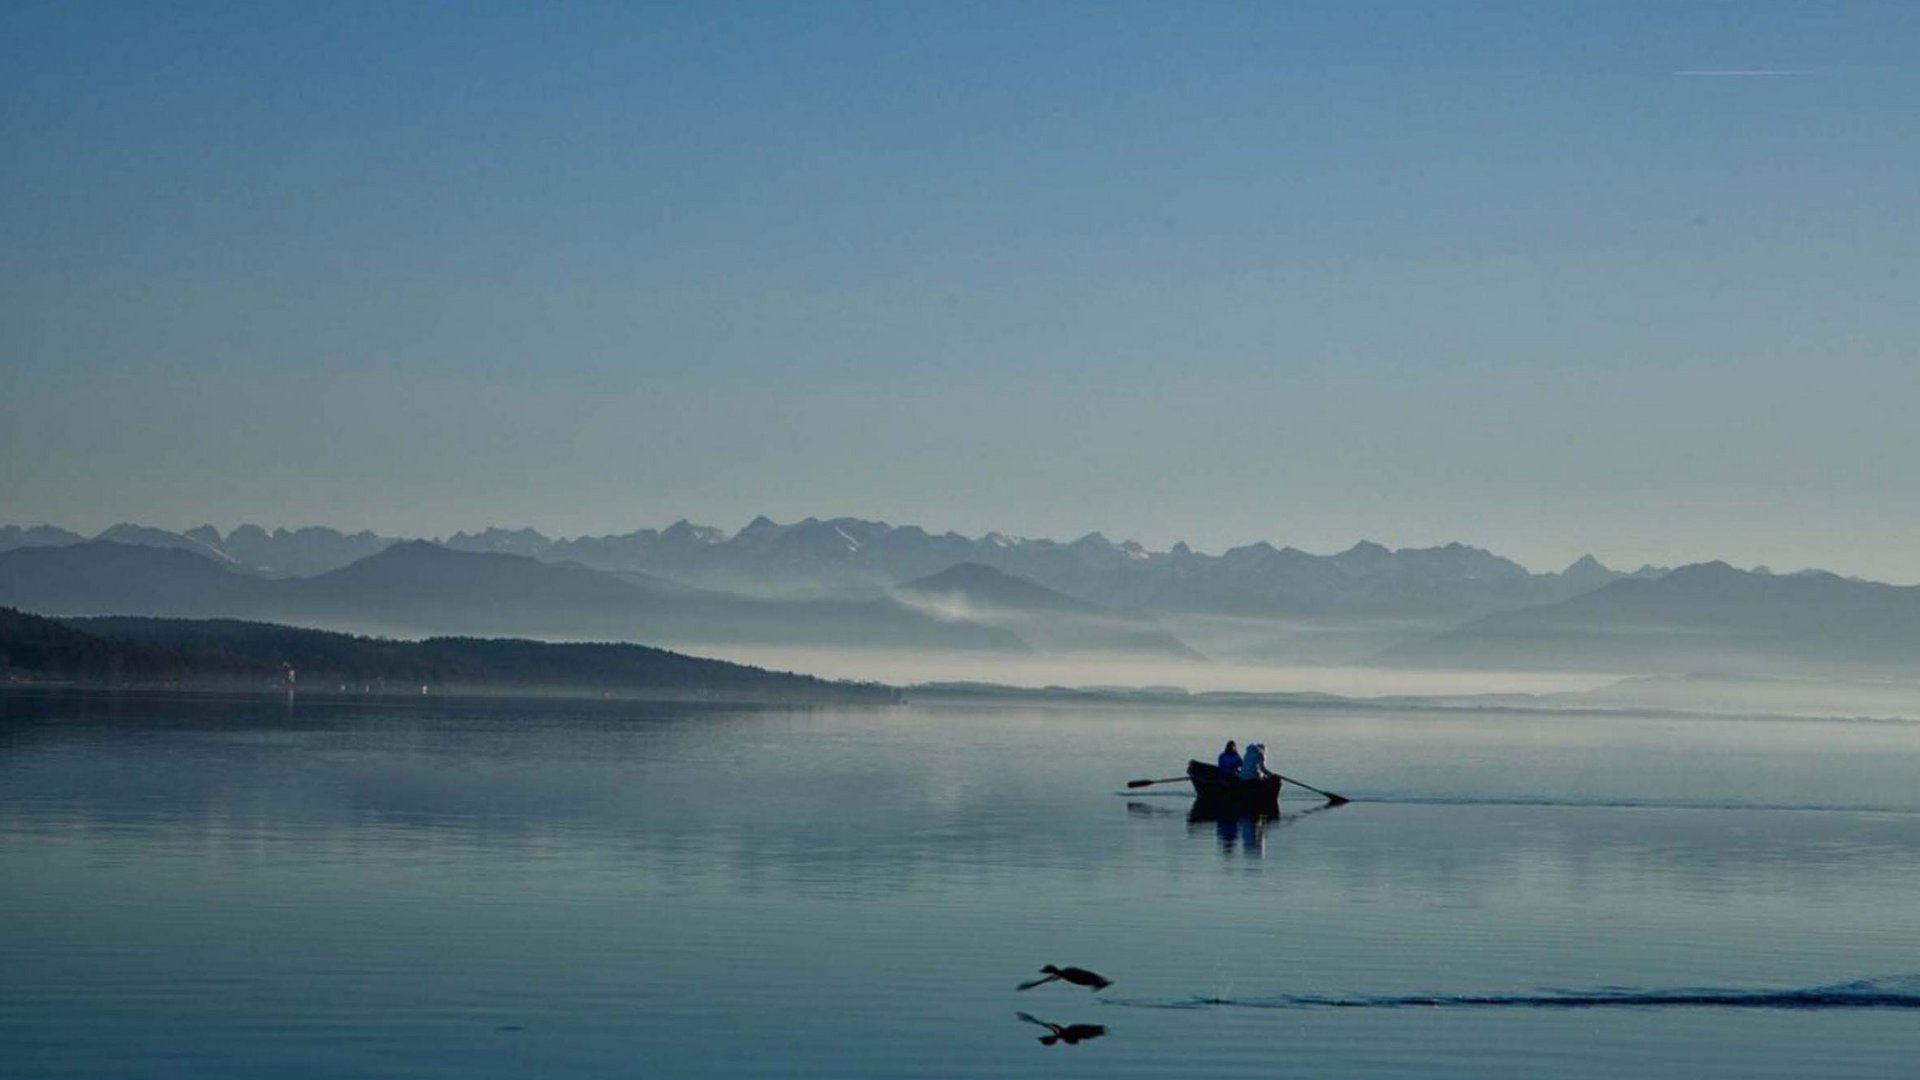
(232, 654)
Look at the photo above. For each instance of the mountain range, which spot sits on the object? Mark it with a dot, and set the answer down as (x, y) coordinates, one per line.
(851, 583)
(1450, 584)
(417, 588)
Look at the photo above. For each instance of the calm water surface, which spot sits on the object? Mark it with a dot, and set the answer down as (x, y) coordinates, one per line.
(239, 888)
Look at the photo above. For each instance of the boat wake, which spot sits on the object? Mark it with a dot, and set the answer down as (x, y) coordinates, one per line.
(1290, 798)
(1900, 992)
(1550, 802)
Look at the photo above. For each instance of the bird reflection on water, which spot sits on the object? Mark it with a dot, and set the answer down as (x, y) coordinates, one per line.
(1071, 1034)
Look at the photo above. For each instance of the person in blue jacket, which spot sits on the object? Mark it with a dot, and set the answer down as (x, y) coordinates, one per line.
(1230, 760)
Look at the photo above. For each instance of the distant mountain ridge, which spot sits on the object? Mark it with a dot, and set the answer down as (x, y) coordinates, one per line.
(1452, 582)
(421, 588)
(1049, 620)
(15, 536)
(1703, 617)
(983, 586)
(280, 553)
(1707, 617)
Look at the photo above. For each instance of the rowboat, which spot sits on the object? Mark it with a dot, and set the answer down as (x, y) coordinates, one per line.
(1223, 792)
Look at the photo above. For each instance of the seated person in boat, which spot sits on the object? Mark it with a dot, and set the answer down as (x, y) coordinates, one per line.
(1230, 760)
(1254, 765)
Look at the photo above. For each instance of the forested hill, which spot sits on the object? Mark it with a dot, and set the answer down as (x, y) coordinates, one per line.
(231, 654)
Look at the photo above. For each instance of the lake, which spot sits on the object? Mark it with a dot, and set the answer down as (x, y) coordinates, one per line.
(196, 887)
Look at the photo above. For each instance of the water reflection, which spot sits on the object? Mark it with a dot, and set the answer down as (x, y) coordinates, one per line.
(1071, 1034)
(1245, 834)
(224, 890)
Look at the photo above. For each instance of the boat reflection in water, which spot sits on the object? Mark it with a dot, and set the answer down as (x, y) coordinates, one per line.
(1235, 832)
(1242, 833)
(1247, 835)
(1071, 1034)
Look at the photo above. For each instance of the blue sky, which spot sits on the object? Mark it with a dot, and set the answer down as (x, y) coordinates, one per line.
(1301, 272)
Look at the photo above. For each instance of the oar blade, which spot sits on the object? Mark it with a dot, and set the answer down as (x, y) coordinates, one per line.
(1332, 799)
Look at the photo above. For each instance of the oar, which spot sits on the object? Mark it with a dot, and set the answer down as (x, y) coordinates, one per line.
(1332, 799)
(1150, 783)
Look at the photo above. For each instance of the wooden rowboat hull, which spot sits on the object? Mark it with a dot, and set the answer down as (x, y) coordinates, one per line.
(1220, 793)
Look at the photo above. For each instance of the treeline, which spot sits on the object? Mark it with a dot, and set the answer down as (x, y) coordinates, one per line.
(231, 654)
(36, 649)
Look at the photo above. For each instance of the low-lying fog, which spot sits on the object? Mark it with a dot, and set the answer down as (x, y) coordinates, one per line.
(903, 667)
(1320, 660)
(1814, 697)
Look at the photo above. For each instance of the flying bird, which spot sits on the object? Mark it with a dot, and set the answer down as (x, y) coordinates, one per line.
(1074, 975)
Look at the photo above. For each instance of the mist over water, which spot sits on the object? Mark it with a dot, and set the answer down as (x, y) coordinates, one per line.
(1707, 693)
(904, 667)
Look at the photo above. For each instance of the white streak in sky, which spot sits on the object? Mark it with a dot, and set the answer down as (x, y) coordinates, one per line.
(1742, 73)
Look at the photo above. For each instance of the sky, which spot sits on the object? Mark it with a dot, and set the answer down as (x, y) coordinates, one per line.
(1631, 279)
